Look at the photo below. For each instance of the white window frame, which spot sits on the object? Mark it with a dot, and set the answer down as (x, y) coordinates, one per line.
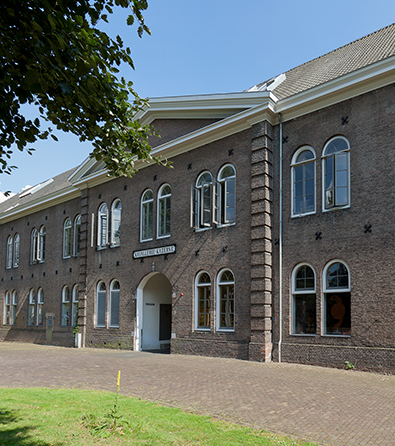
(7, 308)
(40, 307)
(65, 309)
(146, 209)
(8, 264)
(202, 203)
(114, 294)
(74, 306)
(67, 240)
(14, 307)
(326, 289)
(33, 246)
(295, 291)
(102, 226)
(98, 290)
(116, 218)
(294, 165)
(218, 301)
(31, 308)
(164, 199)
(197, 288)
(16, 250)
(77, 236)
(221, 194)
(41, 244)
(335, 157)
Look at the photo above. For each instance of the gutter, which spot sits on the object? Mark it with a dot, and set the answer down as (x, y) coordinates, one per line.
(280, 260)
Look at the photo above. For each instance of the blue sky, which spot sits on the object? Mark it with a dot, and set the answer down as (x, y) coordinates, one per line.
(214, 46)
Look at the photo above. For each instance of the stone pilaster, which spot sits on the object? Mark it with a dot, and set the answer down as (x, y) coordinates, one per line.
(82, 292)
(260, 348)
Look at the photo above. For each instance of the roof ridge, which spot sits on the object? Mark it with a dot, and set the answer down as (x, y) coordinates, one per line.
(341, 47)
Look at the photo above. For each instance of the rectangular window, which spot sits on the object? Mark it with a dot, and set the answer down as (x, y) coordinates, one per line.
(14, 308)
(7, 309)
(304, 314)
(114, 308)
(204, 310)
(40, 306)
(337, 314)
(101, 309)
(147, 220)
(227, 311)
(206, 204)
(229, 200)
(32, 304)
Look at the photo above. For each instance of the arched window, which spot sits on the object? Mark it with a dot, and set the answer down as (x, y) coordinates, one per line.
(225, 300)
(202, 301)
(77, 235)
(9, 253)
(337, 299)
(147, 216)
(16, 250)
(74, 307)
(67, 238)
(336, 173)
(114, 303)
(101, 305)
(225, 195)
(7, 308)
(14, 307)
(116, 211)
(164, 206)
(32, 304)
(65, 321)
(202, 201)
(33, 246)
(303, 181)
(304, 318)
(40, 305)
(102, 228)
(41, 244)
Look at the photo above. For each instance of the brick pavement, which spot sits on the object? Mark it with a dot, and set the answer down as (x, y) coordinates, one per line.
(327, 406)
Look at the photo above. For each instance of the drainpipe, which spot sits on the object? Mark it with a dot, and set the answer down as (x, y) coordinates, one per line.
(280, 251)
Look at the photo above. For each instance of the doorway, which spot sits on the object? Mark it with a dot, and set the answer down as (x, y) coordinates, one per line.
(154, 311)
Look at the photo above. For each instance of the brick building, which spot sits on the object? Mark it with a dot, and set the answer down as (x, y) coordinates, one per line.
(271, 238)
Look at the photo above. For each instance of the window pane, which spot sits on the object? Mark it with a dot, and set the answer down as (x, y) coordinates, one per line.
(114, 315)
(298, 189)
(338, 313)
(298, 172)
(309, 170)
(298, 206)
(304, 156)
(101, 309)
(309, 187)
(305, 313)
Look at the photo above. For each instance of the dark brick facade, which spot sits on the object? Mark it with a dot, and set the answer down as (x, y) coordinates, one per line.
(263, 248)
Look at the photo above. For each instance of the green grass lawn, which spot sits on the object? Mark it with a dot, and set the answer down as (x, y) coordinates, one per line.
(75, 417)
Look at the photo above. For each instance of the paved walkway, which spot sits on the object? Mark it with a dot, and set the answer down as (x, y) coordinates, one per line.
(327, 406)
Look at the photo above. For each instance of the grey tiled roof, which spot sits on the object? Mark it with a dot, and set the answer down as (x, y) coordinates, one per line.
(59, 182)
(358, 54)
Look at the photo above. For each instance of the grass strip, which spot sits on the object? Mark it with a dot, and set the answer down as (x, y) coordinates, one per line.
(41, 417)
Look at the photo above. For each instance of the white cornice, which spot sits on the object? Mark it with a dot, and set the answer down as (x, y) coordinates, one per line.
(203, 106)
(39, 204)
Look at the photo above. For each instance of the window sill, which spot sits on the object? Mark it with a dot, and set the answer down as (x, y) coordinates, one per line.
(113, 326)
(335, 336)
(163, 236)
(303, 215)
(203, 229)
(336, 208)
(311, 335)
(225, 330)
(224, 225)
(146, 240)
(100, 248)
(67, 257)
(204, 330)
(113, 245)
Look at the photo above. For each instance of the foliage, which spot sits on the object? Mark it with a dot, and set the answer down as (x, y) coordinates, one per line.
(53, 55)
(62, 417)
(349, 365)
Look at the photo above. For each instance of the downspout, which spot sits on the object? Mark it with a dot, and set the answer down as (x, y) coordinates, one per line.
(280, 243)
